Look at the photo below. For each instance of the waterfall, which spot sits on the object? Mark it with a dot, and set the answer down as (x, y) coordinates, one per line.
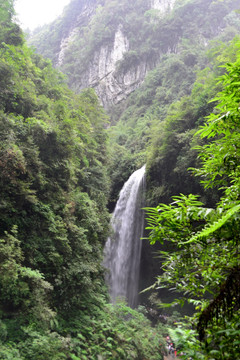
(122, 251)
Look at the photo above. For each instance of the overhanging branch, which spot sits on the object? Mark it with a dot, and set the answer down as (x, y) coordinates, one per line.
(224, 305)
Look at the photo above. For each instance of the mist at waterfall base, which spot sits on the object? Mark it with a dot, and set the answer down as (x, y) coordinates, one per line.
(122, 252)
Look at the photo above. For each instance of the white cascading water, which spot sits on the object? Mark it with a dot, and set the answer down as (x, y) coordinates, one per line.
(122, 251)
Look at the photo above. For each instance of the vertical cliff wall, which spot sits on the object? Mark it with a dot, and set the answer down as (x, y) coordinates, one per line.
(111, 45)
(102, 71)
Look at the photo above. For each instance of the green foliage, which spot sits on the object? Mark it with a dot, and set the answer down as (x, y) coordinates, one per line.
(178, 216)
(54, 180)
(205, 263)
(183, 335)
(60, 191)
(42, 346)
(54, 188)
(149, 32)
(9, 352)
(22, 288)
(172, 148)
(116, 332)
(10, 33)
(170, 44)
(157, 122)
(54, 222)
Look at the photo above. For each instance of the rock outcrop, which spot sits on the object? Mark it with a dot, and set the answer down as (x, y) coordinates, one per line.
(112, 86)
(111, 45)
(102, 72)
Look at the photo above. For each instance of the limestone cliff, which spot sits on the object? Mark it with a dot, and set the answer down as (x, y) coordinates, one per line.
(111, 85)
(81, 19)
(111, 45)
(101, 72)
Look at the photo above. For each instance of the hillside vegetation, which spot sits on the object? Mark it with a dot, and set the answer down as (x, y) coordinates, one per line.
(53, 216)
(178, 44)
(64, 159)
(203, 265)
(146, 127)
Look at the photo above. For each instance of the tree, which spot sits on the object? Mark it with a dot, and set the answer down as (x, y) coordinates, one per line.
(204, 268)
(53, 186)
(10, 33)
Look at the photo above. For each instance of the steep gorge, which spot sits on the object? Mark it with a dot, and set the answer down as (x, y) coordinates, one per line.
(142, 58)
(112, 48)
(59, 156)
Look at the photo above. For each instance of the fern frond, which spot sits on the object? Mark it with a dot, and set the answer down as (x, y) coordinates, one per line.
(210, 229)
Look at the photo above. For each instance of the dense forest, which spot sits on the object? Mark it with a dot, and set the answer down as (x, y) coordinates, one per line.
(64, 158)
(174, 47)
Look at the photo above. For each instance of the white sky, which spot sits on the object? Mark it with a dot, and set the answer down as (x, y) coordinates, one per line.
(32, 13)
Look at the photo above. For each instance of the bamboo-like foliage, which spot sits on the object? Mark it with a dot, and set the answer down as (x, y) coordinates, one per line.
(206, 260)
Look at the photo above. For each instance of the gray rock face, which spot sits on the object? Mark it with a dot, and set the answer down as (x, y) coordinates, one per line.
(87, 11)
(101, 74)
(109, 52)
(101, 69)
(112, 86)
